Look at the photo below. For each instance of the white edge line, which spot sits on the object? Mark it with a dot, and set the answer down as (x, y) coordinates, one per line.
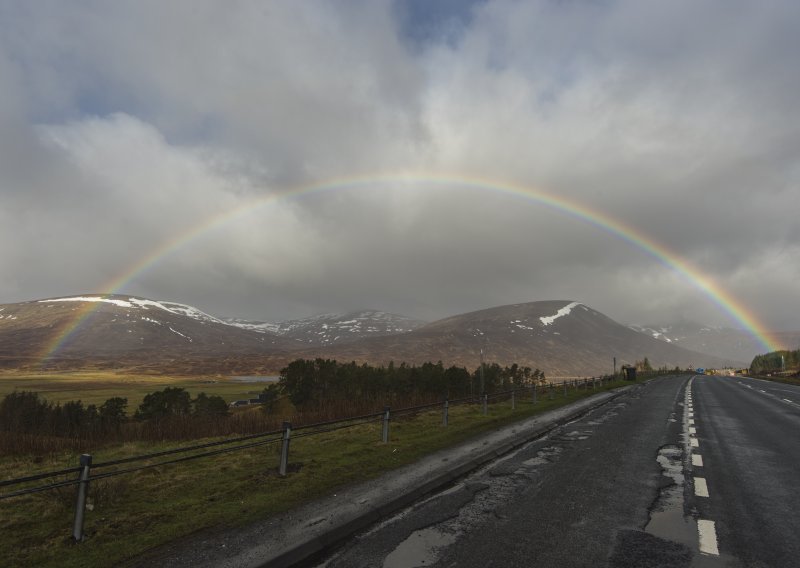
(700, 487)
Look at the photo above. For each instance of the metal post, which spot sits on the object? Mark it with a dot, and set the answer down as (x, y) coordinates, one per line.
(287, 432)
(80, 504)
(533, 394)
(385, 431)
(565, 389)
(513, 399)
(445, 412)
(593, 385)
(485, 403)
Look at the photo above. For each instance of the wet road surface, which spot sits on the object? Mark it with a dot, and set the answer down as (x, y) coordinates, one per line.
(606, 490)
(748, 443)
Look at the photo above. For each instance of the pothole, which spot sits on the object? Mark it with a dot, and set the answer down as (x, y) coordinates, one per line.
(667, 519)
(419, 549)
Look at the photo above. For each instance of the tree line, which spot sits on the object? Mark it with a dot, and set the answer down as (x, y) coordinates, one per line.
(319, 381)
(775, 361)
(25, 412)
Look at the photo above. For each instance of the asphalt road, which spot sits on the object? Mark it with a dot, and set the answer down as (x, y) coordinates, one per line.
(748, 439)
(585, 495)
(677, 472)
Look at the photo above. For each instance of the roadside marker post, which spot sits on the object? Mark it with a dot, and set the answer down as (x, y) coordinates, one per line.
(485, 403)
(83, 491)
(385, 430)
(513, 399)
(565, 389)
(287, 433)
(533, 393)
(445, 412)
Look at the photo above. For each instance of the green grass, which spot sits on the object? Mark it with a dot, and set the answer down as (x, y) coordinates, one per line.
(95, 387)
(134, 513)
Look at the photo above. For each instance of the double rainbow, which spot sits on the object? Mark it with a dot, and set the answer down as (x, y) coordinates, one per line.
(730, 305)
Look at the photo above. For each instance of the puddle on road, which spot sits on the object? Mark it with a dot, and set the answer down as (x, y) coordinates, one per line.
(543, 456)
(667, 520)
(419, 549)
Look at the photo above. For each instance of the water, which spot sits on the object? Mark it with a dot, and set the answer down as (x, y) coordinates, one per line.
(256, 378)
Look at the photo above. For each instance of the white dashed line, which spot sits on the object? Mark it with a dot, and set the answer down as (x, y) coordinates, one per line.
(759, 390)
(697, 460)
(700, 487)
(694, 442)
(787, 400)
(692, 430)
(708, 537)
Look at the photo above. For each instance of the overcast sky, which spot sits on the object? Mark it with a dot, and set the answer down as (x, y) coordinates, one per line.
(126, 124)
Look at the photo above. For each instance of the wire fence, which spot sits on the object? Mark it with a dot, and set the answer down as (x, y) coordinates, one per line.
(88, 471)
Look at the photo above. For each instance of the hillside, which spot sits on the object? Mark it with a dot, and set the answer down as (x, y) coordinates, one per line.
(329, 329)
(561, 338)
(723, 342)
(122, 328)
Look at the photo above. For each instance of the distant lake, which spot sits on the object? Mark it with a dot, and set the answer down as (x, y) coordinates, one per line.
(256, 379)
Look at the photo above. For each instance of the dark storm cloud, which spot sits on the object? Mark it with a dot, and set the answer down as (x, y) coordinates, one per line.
(125, 125)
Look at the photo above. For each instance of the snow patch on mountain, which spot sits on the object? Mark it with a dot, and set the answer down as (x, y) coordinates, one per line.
(327, 329)
(547, 320)
(138, 303)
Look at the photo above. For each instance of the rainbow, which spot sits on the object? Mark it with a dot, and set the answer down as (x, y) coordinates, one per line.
(730, 305)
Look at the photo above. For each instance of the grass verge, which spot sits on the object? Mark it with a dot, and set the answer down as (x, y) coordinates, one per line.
(131, 514)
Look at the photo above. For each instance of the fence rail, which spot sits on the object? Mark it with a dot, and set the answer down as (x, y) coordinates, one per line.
(86, 470)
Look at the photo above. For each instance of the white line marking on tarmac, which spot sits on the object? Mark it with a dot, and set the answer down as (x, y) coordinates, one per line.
(708, 537)
(692, 430)
(759, 390)
(691, 421)
(694, 442)
(697, 460)
(787, 400)
(700, 487)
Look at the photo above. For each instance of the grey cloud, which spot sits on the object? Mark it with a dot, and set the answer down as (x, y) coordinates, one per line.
(126, 125)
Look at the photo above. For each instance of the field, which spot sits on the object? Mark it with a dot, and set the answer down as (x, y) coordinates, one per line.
(95, 387)
(134, 513)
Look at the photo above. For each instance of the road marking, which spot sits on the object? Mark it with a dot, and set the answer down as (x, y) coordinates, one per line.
(694, 442)
(692, 430)
(708, 537)
(759, 390)
(691, 414)
(700, 487)
(691, 421)
(787, 400)
(697, 460)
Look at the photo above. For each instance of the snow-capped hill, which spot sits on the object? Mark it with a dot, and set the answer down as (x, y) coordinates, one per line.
(721, 342)
(328, 329)
(117, 328)
(257, 326)
(140, 303)
(562, 337)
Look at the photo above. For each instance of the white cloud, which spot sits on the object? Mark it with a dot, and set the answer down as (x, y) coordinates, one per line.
(126, 125)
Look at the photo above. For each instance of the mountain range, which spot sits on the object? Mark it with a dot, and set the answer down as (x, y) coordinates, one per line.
(723, 342)
(560, 337)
